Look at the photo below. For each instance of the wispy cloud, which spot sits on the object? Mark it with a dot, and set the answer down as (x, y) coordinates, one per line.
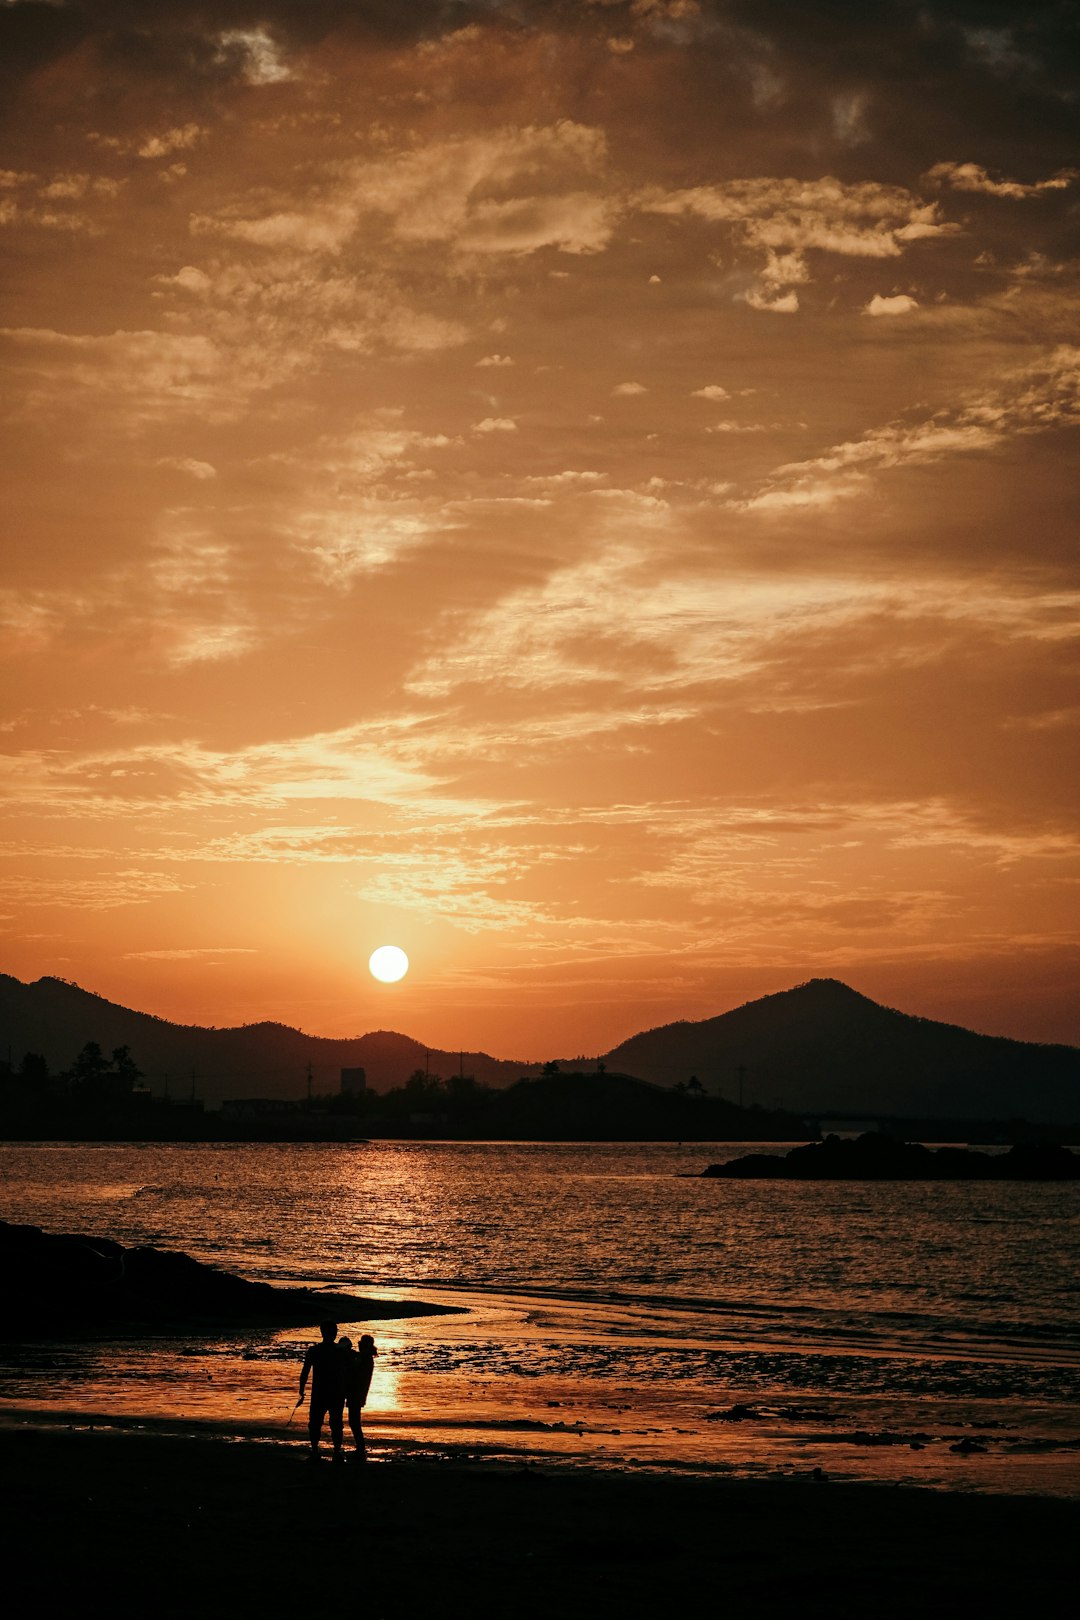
(1036, 398)
(390, 435)
(973, 177)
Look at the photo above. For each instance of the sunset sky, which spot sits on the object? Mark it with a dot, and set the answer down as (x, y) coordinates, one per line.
(583, 491)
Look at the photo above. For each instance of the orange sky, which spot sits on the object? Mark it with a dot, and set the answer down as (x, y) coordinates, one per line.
(585, 492)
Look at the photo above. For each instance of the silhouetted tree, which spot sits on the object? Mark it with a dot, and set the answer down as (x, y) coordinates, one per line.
(95, 1078)
(124, 1067)
(463, 1089)
(87, 1073)
(423, 1092)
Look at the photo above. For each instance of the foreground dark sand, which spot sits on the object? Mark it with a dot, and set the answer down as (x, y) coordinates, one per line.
(119, 1522)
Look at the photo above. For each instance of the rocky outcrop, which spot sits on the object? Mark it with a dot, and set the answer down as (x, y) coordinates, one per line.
(56, 1281)
(874, 1157)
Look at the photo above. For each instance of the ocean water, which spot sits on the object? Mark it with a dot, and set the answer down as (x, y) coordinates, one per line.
(614, 1307)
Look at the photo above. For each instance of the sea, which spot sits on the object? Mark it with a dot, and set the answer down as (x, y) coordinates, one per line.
(613, 1309)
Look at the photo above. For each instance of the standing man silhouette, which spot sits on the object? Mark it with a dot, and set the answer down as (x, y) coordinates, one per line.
(324, 1363)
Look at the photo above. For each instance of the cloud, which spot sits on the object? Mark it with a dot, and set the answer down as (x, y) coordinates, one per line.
(360, 535)
(74, 187)
(436, 193)
(466, 885)
(154, 371)
(107, 892)
(345, 764)
(862, 219)
(317, 231)
(627, 390)
(260, 55)
(973, 177)
(577, 222)
(442, 192)
(181, 138)
(397, 652)
(778, 304)
(191, 953)
(788, 218)
(201, 470)
(895, 304)
(1036, 398)
(29, 192)
(234, 330)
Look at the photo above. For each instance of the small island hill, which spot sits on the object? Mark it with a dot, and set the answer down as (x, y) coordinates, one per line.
(876, 1157)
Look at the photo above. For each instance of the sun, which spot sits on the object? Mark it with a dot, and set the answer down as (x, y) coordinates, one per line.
(389, 963)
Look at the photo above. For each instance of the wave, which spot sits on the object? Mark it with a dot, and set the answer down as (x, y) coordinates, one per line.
(864, 1326)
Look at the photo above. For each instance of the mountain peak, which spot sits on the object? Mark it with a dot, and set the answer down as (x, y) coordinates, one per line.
(825, 1049)
(826, 989)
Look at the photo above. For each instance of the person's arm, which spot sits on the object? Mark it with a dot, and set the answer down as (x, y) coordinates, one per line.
(303, 1376)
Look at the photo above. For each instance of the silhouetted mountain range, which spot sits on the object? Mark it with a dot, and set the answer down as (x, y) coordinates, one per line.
(56, 1019)
(822, 1048)
(819, 1049)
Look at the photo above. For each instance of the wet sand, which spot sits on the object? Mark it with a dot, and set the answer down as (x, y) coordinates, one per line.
(175, 1525)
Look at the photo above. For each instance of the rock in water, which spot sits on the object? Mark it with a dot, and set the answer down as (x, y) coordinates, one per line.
(874, 1157)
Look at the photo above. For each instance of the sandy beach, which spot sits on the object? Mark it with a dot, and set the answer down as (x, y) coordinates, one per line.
(172, 1525)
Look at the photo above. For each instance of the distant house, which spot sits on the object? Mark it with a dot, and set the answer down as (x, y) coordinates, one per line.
(352, 1082)
(258, 1107)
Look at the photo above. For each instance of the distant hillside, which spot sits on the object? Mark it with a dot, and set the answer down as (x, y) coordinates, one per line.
(824, 1049)
(820, 1049)
(256, 1060)
(578, 1107)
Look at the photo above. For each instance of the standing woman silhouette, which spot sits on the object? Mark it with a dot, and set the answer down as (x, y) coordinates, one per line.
(359, 1366)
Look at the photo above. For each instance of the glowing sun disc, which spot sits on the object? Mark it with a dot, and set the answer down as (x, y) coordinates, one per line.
(388, 964)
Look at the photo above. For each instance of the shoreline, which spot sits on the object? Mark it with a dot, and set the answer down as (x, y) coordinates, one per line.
(184, 1523)
(528, 1443)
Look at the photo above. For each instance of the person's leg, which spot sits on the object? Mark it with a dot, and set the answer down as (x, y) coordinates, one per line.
(337, 1426)
(356, 1424)
(314, 1428)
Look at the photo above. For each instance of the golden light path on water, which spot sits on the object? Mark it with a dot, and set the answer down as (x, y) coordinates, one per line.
(614, 1307)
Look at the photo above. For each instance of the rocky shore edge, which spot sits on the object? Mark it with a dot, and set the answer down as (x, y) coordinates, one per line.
(66, 1281)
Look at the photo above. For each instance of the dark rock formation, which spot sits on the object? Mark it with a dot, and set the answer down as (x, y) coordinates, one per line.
(53, 1281)
(873, 1157)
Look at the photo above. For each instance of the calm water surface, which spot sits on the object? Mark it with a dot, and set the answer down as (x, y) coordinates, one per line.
(614, 1304)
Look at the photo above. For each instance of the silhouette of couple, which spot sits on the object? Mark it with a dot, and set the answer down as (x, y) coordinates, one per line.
(340, 1380)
